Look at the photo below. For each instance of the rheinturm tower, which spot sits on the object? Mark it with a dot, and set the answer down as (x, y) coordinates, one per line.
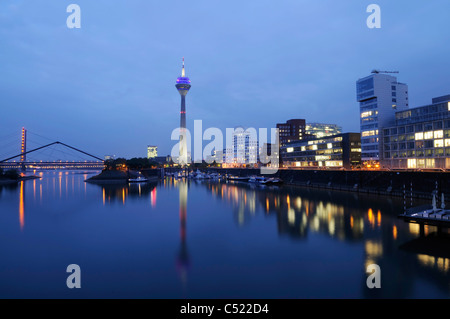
(183, 85)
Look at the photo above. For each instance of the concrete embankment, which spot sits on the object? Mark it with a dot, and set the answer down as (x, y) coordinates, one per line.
(391, 183)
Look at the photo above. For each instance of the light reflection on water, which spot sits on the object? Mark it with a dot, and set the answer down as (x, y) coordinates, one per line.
(316, 243)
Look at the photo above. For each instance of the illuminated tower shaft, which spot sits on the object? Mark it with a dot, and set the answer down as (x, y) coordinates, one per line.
(183, 85)
(183, 144)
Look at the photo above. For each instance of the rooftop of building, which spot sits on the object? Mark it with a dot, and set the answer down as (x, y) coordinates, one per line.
(324, 139)
(438, 109)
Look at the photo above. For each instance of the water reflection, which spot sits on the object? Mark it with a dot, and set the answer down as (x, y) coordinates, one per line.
(22, 205)
(363, 228)
(120, 193)
(349, 218)
(296, 214)
(183, 260)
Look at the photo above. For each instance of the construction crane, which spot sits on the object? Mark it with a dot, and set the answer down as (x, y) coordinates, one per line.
(378, 71)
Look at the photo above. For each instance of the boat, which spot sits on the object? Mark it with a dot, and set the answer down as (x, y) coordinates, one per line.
(139, 179)
(238, 178)
(200, 175)
(257, 179)
(275, 181)
(214, 176)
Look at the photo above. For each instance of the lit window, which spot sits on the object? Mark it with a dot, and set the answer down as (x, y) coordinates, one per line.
(290, 149)
(333, 163)
(412, 163)
(438, 143)
(419, 136)
(314, 147)
(447, 142)
(448, 104)
(329, 145)
(303, 148)
(428, 135)
(369, 133)
(365, 114)
(439, 134)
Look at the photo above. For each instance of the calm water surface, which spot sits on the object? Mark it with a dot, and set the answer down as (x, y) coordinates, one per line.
(210, 240)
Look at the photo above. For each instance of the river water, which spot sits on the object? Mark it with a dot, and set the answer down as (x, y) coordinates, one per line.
(198, 239)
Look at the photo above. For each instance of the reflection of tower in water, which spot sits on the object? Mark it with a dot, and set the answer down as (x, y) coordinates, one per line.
(183, 255)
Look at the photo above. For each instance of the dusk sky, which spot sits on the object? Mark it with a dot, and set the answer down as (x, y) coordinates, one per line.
(109, 87)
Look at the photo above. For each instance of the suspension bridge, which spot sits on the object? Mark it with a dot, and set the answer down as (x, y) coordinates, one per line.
(57, 159)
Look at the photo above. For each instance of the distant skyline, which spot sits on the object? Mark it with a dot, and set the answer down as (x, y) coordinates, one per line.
(108, 88)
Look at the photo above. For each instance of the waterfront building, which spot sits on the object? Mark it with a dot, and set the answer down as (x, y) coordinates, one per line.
(292, 130)
(336, 151)
(270, 155)
(420, 138)
(152, 151)
(244, 151)
(380, 96)
(318, 130)
(183, 85)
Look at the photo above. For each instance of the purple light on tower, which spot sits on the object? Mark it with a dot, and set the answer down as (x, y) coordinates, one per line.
(183, 85)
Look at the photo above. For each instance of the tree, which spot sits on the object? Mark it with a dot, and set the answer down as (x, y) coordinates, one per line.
(11, 174)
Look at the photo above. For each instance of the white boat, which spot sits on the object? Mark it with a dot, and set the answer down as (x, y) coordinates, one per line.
(139, 179)
(275, 181)
(257, 180)
(200, 175)
(237, 178)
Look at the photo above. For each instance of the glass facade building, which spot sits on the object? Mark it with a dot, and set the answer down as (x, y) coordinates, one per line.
(318, 130)
(341, 150)
(380, 96)
(420, 138)
(244, 151)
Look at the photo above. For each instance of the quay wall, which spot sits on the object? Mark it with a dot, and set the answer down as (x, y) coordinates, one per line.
(419, 184)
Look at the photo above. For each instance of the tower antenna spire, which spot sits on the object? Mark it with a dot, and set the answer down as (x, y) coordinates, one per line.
(183, 73)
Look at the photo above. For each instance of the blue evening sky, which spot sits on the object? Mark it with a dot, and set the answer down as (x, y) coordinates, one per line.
(109, 87)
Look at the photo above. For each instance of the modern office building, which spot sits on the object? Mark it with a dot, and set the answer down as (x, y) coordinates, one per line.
(292, 130)
(270, 155)
(337, 151)
(380, 96)
(244, 151)
(183, 85)
(420, 138)
(152, 151)
(319, 130)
